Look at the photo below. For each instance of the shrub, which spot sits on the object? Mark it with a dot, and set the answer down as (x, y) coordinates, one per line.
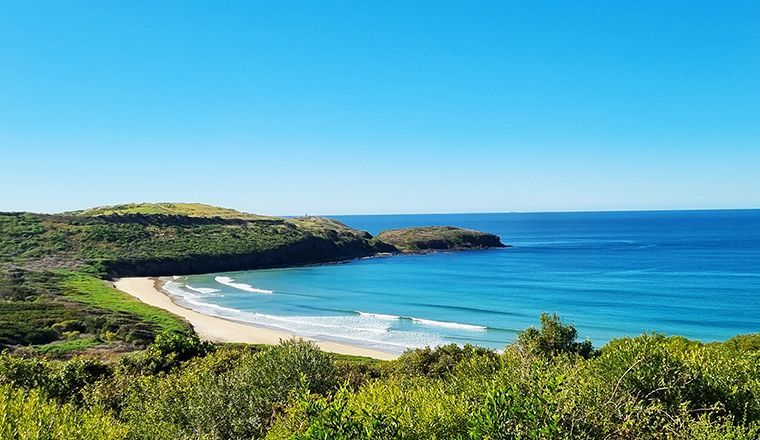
(70, 336)
(355, 373)
(68, 326)
(222, 400)
(70, 378)
(649, 387)
(518, 412)
(438, 361)
(168, 351)
(22, 372)
(63, 381)
(317, 417)
(553, 338)
(28, 415)
(396, 407)
(749, 342)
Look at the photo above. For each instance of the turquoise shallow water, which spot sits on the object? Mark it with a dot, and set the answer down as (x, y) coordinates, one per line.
(691, 273)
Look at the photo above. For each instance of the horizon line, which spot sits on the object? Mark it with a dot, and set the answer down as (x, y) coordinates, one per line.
(567, 211)
(587, 211)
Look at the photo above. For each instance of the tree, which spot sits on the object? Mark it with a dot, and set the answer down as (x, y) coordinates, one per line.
(553, 338)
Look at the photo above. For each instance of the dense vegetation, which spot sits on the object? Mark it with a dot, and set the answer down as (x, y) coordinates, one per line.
(151, 244)
(60, 312)
(430, 238)
(176, 239)
(545, 386)
(82, 360)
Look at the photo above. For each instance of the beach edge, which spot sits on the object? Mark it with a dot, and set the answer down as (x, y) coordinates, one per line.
(216, 329)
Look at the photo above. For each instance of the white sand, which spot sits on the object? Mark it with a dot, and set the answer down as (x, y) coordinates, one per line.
(218, 329)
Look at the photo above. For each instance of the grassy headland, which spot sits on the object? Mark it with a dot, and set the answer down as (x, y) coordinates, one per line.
(50, 265)
(177, 239)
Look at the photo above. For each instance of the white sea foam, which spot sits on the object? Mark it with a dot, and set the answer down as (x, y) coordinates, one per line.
(364, 328)
(368, 331)
(206, 290)
(227, 281)
(379, 316)
(372, 330)
(428, 322)
(174, 288)
(446, 324)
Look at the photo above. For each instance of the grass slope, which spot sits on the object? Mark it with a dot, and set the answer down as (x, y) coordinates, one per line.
(59, 312)
(181, 209)
(94, 292)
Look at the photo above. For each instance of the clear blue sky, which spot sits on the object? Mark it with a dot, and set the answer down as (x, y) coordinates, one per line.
(380, 107)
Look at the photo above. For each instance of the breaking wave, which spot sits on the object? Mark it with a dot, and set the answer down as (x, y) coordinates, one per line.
(371, 330)
(227, 281)
(378, 316)
(428, 322)
(206, 290)
(446, 324)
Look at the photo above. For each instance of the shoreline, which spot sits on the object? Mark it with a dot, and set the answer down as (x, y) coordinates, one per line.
(216, 329)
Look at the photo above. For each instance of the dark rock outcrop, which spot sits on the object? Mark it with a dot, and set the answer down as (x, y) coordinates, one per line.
(436, 238)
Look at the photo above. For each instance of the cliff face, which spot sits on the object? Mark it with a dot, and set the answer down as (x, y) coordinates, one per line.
(134, 240)
(308, 250)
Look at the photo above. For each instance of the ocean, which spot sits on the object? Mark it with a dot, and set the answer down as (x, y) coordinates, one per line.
(611, 274)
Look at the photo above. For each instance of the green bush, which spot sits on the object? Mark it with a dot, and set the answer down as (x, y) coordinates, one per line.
(28, 415)
(553, 338)
(438, 361)
(391, 408)
(648, 387)
(62, 381)
(355, 373)
(744, 342)
(518, 412)
(316, 417)
(226, 398)
(168, 351)
(24, 373)
(47, 307)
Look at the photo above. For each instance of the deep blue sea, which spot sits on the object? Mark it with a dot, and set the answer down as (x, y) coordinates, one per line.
(612, 274)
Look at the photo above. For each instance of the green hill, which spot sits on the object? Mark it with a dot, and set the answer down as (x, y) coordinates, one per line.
(136, 244)
(50, 264)
(181, 209)
(185, 238)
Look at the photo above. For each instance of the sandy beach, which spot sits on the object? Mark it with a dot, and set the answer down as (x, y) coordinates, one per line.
(218, 329)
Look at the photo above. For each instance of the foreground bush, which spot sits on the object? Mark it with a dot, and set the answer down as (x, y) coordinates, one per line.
(169, 350)
(553, 338)
(544, 387)
(438, 361)
(29, 415)
(62, 381)
(648, 387)
(213, 398)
